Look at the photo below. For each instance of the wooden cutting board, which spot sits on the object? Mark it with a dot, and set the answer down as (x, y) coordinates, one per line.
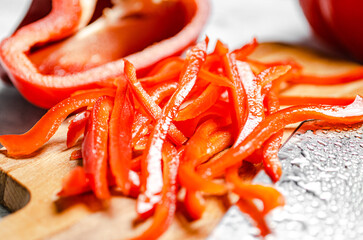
(38, 178)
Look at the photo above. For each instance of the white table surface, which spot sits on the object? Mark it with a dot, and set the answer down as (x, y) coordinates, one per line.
(235, 22)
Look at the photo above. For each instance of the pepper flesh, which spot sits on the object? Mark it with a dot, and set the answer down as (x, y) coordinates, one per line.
(94, 147)
(45, 128)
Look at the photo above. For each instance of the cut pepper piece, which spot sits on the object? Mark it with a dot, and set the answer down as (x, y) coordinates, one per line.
(273, 123)
(151, 180)
(76, 128)
(45, 128)
(94, 147)
(120, 137)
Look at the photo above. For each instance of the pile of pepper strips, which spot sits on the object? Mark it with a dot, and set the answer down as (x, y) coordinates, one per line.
(186, 124)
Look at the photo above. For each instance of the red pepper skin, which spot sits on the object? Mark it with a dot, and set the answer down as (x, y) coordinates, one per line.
(120, 136)
(243, 52)
(237, 95)
(165, 209)
(201, 104)
(65, 18)
(76, 154)
(148, 103)
(94, 147)
(248, 206)
(270, 197)
(76, 128)
(273, 123)
(296, 100)
(75, 183)
(45, 128)
(151, 176)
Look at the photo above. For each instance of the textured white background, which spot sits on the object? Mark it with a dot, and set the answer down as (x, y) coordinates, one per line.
(235, 22)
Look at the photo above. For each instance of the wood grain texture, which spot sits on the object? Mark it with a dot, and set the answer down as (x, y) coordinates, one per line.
(84, 217)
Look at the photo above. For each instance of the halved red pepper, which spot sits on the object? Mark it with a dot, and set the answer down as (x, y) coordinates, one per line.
(46, 74)
(45, 128)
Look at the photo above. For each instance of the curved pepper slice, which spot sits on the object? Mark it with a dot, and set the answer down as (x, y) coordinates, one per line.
(120, 144)
(207, 141)
(94, 147)
(165, 209)
(273, 123)
(45, 128)
(270, 197)
(148, 103)
(201, 104)
(151, 180)
(249, 207)
(76, 128)
(46, 81)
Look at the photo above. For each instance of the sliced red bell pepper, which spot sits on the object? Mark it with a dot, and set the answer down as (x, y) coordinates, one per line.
(296, 100)
(162, 91)
(47, 81)
(243, 52)
(165, 209)
(45, 128)
(237, 95)
(248, 206)
(350, 76)
(151, 180)
(120, 137)
(75, 183)
(201, 104)
(76, 128)
(273, 123)
(76, 154)
(255, 109)
(94, 147)
(270, 197)
(149, 105)
(169, 70)
(195, 204)
(206, 142)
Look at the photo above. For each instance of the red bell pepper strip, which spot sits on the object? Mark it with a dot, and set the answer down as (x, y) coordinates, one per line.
(165, 209)
(214, 78)
(74, 183)
(76, 128)
(151, 180)
(220, 109)
(237, 95)
(248, 206)
(169, 70)
(162, 91)
(350, 76)
(255, 109)
(201, 104)
(76, 154)
(210, 140)
(94, 147)
(270, 197)
(120, 136)
(276, 75)
(246, 50)
(273, 123)
(45, 128)
(295, 100)
(195, 204)
(149, 105)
